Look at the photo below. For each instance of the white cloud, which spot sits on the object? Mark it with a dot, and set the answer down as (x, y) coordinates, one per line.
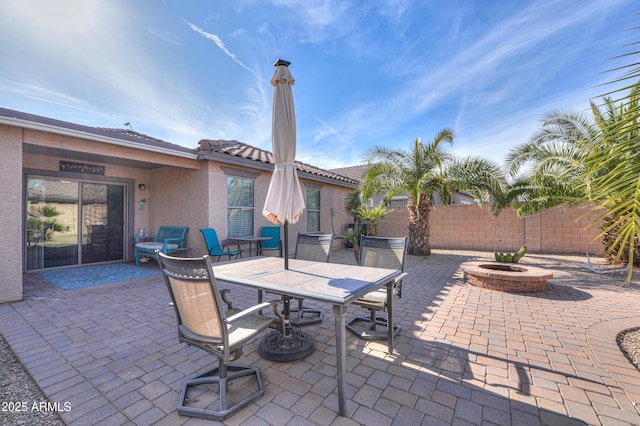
(495, 75)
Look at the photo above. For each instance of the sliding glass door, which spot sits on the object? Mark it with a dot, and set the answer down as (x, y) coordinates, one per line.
(52, 223)
(71, 222)
(102, 212)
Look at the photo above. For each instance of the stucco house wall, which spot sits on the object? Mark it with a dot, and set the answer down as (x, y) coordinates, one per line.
(178, 197)
(198, 198)
(11, 217)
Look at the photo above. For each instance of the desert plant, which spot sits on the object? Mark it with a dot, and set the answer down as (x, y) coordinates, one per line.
(45, 221)
(371, 215)
(351, 237)
(511, 257)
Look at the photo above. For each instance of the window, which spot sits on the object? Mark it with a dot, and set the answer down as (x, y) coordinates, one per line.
(313, 210)
(399, 201)
(240, 206)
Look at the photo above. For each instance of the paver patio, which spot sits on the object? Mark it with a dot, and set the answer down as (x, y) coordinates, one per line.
(465, 356)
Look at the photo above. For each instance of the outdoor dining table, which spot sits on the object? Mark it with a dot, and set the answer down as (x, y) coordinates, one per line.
(333, 283)
(251, 239)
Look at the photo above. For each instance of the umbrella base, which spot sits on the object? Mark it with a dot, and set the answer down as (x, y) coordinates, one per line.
(282, 348)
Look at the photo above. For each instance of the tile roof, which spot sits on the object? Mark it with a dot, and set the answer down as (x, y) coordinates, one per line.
(243, 150)
(353, 172)
(134, 136)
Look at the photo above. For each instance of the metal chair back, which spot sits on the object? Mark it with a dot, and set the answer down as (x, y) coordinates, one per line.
(275, 243)
(314, 247)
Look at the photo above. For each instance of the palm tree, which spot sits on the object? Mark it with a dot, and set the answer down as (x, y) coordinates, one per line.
(618, 190)
(579, 159)
(420, 173)
(372, 214)
(616, 184)
(353, 202)
(549, 169)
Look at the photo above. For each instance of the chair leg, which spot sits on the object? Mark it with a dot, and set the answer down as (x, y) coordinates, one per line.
(222, 375)
(371, 328)
(305, 316)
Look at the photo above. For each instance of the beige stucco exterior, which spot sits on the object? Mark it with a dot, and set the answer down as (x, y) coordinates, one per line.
(11, 217)
(198, 198)
(180, 188)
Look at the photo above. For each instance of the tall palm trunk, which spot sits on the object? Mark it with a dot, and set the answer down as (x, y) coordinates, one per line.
(419, 228)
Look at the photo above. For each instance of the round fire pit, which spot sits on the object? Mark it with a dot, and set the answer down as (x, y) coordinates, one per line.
(506, 277)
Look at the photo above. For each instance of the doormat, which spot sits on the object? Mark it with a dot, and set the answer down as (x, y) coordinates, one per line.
(87, 276)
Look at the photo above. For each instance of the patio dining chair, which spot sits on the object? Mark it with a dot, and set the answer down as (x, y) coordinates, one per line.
(317, 248)
(204, 323)
(275, 243)
(214, 248)
(378, 252)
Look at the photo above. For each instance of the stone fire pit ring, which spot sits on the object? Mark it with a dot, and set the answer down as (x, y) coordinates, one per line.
(507, 277)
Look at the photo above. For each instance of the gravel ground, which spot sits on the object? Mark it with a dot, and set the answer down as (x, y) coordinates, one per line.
(19, 393)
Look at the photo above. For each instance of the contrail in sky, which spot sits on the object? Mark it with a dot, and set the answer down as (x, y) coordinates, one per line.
(222, 47)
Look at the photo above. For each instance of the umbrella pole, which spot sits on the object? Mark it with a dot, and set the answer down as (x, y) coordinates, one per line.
(286, 245)
(293, 343)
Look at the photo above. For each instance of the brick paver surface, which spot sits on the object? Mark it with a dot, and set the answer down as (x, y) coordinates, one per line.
(465, 355)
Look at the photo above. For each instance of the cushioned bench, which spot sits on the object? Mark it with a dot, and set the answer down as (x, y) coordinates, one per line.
(169, 239)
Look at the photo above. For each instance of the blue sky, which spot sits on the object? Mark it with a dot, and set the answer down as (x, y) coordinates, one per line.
(379, 72)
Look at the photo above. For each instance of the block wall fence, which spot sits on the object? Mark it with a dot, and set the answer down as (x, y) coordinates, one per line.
(471, 227)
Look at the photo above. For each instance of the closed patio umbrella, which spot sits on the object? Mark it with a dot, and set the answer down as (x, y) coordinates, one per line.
(285, 201)
(284, 205)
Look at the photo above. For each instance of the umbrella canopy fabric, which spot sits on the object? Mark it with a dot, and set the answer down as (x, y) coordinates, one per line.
(285, 201)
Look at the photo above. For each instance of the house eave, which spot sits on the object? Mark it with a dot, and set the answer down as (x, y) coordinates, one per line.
(26, 124)
(266, 167)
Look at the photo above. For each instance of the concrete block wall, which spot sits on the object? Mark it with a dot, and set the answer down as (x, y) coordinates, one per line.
(471, 227)
(395, 224)
(568, 231)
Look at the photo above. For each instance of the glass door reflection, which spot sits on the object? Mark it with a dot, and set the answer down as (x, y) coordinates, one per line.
(72, 222)
(52, 223)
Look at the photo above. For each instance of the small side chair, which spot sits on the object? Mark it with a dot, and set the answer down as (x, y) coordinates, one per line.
(204, 323)
(214, 248)
(317, 248)
(275, 243)
(378, 252)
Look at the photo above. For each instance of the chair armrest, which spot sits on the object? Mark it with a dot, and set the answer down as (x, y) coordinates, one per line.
(224, 293)
(225, 243)
(223, 248)
(400, 277)
(180, 241)
(377, 296)
(398, 284)
(249, 311)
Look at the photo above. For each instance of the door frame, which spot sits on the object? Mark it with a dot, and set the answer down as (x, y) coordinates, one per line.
(129, 207)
